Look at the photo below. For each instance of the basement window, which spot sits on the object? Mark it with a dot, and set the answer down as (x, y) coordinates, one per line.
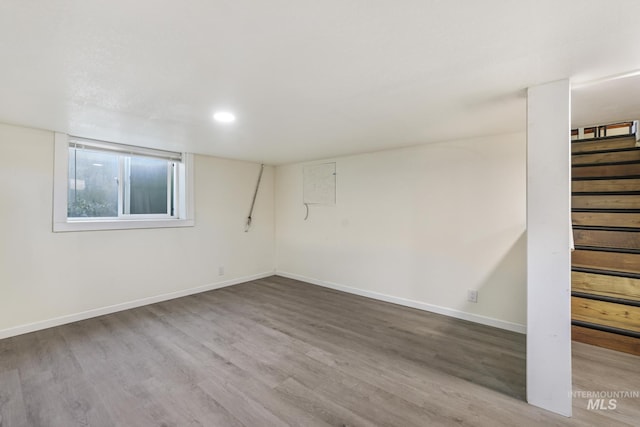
(101, 185)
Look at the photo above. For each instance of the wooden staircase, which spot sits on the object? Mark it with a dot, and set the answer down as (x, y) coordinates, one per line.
(605, 297)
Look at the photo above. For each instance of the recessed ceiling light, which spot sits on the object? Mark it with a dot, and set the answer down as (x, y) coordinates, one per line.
(224, 117)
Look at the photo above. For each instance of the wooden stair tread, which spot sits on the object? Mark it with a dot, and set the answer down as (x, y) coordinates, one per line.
(605, 186)
(607, 238)
(607, 157)
(606, 201)
(605, 285)
(586, 146)
(603, 219)
(607, 171)
(611, 261)
(606, 339)
(606, 313)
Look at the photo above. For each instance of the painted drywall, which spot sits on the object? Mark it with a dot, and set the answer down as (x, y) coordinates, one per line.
(548, 253)
(417, 226)
(48, 278)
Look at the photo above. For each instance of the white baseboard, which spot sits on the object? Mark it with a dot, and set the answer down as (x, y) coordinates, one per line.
(484, 320)
(44, 324)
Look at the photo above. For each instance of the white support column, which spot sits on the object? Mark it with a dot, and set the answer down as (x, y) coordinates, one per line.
(548, 242)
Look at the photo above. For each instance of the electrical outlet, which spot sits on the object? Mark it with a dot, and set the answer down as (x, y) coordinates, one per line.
(221, 271)
(472, 295)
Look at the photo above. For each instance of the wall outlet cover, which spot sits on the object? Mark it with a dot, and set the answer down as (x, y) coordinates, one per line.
(472, 295)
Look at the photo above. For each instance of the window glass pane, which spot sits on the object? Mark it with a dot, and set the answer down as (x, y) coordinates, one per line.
(148, 186)
(93, 184)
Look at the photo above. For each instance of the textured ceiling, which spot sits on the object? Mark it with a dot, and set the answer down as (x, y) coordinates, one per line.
(307, 79)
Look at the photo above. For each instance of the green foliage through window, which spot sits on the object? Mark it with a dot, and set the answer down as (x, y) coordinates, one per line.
(93, 184)
(105, 184)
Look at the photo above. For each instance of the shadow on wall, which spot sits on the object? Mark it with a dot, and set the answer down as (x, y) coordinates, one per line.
(497, 359)
(505, 287)
(491, 357)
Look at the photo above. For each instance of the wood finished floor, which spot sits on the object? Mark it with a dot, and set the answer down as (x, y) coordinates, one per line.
(277, 352)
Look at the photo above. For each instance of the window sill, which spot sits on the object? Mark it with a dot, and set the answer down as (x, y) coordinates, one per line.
(97, 225)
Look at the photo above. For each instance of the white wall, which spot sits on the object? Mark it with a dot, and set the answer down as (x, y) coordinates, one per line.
(48, 278)
(418, 226)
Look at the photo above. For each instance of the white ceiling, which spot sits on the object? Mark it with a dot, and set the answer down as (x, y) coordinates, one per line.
(604, 102)
(307, 79)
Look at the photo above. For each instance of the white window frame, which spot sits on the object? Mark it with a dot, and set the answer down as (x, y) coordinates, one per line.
(61, 223)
